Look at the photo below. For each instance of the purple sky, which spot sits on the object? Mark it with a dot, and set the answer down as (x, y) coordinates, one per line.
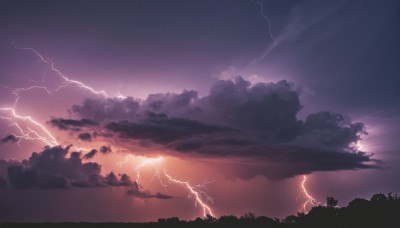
(225, 99)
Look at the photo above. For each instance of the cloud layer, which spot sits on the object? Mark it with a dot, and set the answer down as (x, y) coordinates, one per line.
(53, 169)
(255, 127)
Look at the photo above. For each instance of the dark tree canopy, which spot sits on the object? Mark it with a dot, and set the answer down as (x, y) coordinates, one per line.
(380, 211)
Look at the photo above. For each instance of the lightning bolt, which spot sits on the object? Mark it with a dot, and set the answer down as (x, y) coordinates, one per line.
(269, 28)
(67, 81)
(41, 133)
(120, 163)
(120, 96)
(311, 201)
(27, 132)
(81, 148)
(196, 191)
(147, 161)
(45, 135)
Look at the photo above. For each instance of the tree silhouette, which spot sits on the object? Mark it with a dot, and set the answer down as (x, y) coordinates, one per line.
(331, 202)
(380, 211)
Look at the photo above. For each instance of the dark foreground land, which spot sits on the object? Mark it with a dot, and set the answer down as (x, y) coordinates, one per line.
(380, 211)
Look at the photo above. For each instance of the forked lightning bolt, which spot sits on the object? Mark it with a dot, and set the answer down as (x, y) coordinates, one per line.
(28, 133)
(147, 161)
(67, 81)
(311, 201)
(195, 191)
(261, 4)
(45, 135)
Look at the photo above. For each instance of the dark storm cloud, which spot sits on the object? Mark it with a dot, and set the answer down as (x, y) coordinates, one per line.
(330, 130)
(136, 192)
(3, 182)
(278, 162)
(161, 129)
(113, 180)
(9, 138)
(105, 149)
(51, 168)
(255, 125)
(21, 177)
(85, 137)
(71, 124)
(111, 109)
(90, 154)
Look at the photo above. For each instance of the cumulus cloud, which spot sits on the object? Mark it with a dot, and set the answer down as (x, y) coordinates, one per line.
(99, 110)
(9, 138)
(329, 130)
(21, 177)
(52, 168)
(124, 180)
(255, 126)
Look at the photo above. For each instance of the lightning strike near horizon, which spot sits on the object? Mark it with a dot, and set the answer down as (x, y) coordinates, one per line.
(196, 192)
(311, 201)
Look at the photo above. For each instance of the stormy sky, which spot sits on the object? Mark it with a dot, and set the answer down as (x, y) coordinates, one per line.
(245, 97)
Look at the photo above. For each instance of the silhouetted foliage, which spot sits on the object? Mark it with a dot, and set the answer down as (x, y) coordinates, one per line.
(248, 216)
(380, 211)
(331, 202)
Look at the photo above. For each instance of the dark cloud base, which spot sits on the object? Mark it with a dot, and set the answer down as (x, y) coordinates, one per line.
(71, 124)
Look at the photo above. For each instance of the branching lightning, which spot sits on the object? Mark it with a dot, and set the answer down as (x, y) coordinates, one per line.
(120, 163)
(28, 133)
(311, 201)
(147, 161)
(269, 28)
(196, 191)
(67, 81)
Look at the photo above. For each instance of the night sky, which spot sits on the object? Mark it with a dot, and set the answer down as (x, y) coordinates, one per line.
(125, 110)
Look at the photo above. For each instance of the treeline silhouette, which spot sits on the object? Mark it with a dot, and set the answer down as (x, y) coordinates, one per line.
(380, 211)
